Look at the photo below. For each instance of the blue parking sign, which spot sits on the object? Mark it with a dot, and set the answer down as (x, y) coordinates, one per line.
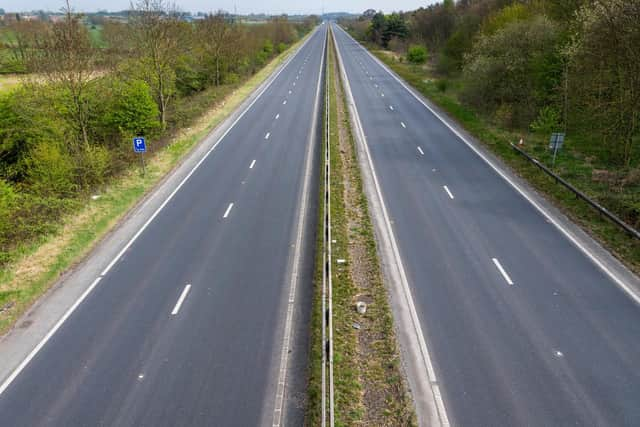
(139, 145)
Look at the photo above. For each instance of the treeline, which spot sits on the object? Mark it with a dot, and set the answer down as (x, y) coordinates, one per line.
(67, 129)
(538, 65)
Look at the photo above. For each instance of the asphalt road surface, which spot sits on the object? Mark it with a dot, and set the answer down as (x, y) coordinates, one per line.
(523, 328)
(187, 327)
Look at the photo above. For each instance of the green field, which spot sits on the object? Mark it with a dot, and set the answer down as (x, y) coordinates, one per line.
(95, 33)
(8, 64)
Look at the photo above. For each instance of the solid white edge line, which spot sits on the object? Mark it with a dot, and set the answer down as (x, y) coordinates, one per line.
(502, 271)
(252, 164)
(47, 337)
(413, 314)
(183, 295)
(284, 357)
(226, 213)
(618, 281)
(420, 150)
(448, 192)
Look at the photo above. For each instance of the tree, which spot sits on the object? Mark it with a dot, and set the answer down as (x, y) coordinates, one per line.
(119, 44)
(505, 16)
(20, 38)
(434, 24)
(216, 34)
(64, 56)
(376, 27)
(562, 10)
(394, 27)
(515, 70)
(158, 40)
(282, 32)
(604, 71)
(368, 14)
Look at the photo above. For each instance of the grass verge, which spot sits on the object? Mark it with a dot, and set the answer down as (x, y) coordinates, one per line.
(577, 167)
(369, 387)
(41, 263)
(8, 82)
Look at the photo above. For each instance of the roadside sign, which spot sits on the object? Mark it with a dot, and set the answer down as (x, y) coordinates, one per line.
(556, 141)
(139, 145)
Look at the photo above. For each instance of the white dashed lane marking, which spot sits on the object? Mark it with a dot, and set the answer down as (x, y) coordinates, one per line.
(226, 213)
(502, 271)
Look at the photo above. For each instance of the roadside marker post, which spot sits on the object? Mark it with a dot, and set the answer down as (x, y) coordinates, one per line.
(140, 146)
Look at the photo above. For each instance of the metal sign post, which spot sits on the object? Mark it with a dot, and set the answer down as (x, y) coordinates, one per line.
(140, 146)
(555, 143)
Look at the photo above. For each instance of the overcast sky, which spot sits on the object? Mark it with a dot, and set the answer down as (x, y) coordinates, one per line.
(243, 6)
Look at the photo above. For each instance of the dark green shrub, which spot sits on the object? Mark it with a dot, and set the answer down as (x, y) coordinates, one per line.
(417, 54)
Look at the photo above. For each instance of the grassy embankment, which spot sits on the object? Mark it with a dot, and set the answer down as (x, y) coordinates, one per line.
(38, 265)
(577, 162)
(369, 387)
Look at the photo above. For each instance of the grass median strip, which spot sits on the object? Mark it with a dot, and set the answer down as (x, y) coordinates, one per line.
(41, 263)
(369, 386)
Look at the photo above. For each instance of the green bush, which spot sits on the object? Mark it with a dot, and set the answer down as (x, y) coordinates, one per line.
(50, 171)
(231, 78)
(417, 54)
(267, 48)
(190, 76)
(24, 217)
(261, 58)
(8, 199)
(547, 121)
(281, 47)
(93, 166)
(128, 109)
(442, 85)
(24, 121)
